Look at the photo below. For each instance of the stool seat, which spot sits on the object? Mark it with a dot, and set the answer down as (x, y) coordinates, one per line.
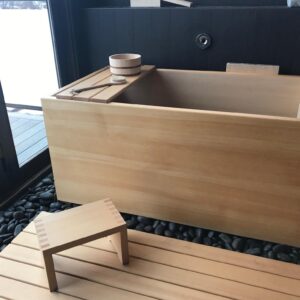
(80, 225)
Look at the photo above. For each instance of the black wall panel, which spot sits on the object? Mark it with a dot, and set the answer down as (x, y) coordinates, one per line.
(166, 36)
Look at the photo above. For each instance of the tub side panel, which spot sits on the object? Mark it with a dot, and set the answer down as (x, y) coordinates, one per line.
(225, 172)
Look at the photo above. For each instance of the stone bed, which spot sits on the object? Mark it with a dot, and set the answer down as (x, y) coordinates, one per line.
(42, 197)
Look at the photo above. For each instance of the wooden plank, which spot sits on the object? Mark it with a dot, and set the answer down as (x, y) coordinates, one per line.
(36, 137)
(29, 133)
(18, 123)
(13, 289)
(12, 119)
(195, 250)
(69, 285)
(219, 255)
(108, 276)
(252, 68)
(25, 127)
(68, 86)
(111, 92)
(207, 169)
(183, 262)
(90, 81)
(298, 114)
(33, 151)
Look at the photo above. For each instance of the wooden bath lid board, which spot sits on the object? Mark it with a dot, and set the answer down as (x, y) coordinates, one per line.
(102, 94)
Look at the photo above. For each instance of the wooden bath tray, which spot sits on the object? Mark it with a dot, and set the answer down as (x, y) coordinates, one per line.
(103, 95)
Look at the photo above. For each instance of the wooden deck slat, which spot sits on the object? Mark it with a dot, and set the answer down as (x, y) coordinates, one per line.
(210, 253)
(176, 268)
(25, 127)
(33, 151)
(12, 119)
(29, 133)
(195, 264)
(18, 123)
(16, 290)
(96, 273)
(215, 254)
(69, 285)
(209, 267)
(160, 268)
(36, 137)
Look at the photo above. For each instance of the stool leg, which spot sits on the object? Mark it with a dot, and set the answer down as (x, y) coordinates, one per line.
(50, 271)
(120, 243)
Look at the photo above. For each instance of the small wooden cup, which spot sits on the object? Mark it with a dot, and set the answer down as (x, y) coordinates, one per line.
(126, 64)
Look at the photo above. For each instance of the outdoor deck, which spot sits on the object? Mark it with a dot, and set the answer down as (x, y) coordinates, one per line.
(160, 268)
(29, 134)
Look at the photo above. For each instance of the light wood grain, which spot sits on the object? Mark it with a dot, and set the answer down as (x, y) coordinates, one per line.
(79, 225)
(219, 278)
(110, 93)
(69, 285)
(96, 79)
(109, 276)
(104, 94)
(92, 271)
(218, 91)
(208, 169)
(252, 68)
(71, 84)
(17, 290)
(160, 244)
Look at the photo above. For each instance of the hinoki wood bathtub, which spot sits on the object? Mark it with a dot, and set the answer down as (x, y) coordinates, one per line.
(212, 149)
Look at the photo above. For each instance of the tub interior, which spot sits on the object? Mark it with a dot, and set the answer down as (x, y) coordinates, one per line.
(275, 95)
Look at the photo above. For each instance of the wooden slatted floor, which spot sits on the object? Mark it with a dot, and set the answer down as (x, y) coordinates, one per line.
(29, 134)
(160, 268)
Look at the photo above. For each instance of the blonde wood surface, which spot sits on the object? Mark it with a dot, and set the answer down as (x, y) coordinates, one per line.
(17, 290)
(50, 271)
(109, 276)
(298, 115)
(79, 80)
(252, 68)
(90, 81)
(185, 270)
(120, 242)
(218, 91)
(152, 272)
(110, 93)
(78, 225)
(139, 243)
(64, 230)
(208, 169)
(105, 94)
(69, 285)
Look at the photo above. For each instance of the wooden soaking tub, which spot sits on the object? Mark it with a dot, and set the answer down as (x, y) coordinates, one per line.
(212, 149)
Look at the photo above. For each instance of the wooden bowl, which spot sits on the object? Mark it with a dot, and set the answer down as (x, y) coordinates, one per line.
(125, 64)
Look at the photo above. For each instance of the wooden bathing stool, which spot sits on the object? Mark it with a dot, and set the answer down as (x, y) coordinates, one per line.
(77, 226)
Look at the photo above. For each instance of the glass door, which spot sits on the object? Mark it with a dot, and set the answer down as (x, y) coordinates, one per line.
(27, 73)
